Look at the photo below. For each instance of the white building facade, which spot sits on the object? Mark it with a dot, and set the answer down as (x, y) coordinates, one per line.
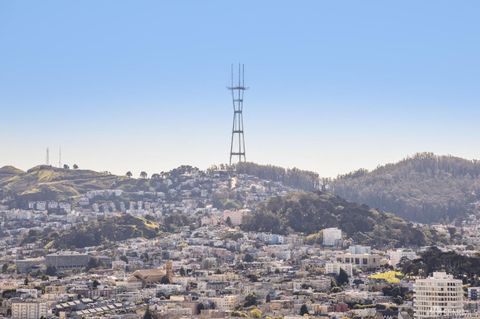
(365, 261)
(29, 310)
(331, 236)
(438, 296)
(397, 255)
(334, 268)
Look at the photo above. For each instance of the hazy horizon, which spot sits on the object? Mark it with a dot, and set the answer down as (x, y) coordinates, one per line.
(141, 85)
(136, 173)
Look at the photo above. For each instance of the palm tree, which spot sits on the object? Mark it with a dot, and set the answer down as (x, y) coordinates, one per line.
(129, 174)
(143, 174)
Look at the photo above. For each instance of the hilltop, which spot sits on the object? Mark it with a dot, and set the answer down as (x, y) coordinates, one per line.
(9, 171)
(294, 177)
(45, 182)
(50, 183)
(180, 197)
(425, 188)
(310, 212)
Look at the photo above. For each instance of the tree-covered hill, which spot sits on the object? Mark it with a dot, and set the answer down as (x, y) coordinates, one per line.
(293, 177)
(425, 188)
(433, 259)
(309, 213)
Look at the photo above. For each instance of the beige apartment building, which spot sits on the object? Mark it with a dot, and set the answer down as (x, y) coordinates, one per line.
(438, 296)
(29, 310)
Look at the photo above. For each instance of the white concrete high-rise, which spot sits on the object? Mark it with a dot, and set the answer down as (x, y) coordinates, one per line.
(438, 296)
(331, 236)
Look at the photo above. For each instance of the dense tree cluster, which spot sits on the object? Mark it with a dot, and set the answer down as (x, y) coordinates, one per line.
(296, 178)
(433, 259)
(303, 310)
(425, 187)
(342, 277)
(250, 300)
(310, 212)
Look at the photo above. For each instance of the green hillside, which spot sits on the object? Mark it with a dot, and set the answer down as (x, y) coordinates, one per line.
(111, 229)
(294, 177)
(309, 213)
(9, 171)
(426, 187)
(51, 183)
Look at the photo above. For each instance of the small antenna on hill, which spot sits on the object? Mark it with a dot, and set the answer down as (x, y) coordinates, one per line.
(60, 157)
(48, 157)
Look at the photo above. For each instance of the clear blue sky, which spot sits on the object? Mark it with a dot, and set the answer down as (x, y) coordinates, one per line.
(334, 85)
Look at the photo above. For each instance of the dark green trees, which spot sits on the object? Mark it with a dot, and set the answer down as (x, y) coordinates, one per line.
(148, 314)
(342, 277)
(303, 310)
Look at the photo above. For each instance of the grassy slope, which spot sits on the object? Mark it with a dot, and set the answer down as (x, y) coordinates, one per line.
(46, 182)
(95, 233)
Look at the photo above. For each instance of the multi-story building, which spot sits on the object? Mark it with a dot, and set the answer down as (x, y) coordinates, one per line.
(438, 296)
(236, 216)
(365, 261)
(359, 249)
(22, 309)
(397, 255)
(474, 293)
(331, 236)
(320, 283)
(25, 265)
(226, 302)
(334, 268)
(67, 260)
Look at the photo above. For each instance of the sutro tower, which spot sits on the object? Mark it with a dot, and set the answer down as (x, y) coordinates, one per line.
(237, 144)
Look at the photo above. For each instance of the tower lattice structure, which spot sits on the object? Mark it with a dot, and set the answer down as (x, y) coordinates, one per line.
(237, 144)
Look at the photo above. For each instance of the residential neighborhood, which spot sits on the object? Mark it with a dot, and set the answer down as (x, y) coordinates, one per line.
(210, 268)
